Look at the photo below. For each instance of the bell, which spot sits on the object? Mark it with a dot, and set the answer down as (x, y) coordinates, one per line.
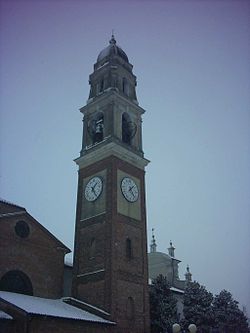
(98, 128)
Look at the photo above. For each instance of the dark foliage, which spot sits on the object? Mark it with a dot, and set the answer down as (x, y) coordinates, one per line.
(219, 314)
(163, 306)
(228, 317)
(198, 307)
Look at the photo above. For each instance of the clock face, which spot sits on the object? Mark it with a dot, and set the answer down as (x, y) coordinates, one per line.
(129, 189)
(93, 188)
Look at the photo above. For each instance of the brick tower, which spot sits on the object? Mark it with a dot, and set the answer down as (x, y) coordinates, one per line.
(110, 255)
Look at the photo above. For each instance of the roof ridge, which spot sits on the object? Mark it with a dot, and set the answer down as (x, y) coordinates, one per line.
(35, 305)
(11, 203)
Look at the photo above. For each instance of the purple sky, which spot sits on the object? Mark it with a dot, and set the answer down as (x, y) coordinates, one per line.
(191, 59)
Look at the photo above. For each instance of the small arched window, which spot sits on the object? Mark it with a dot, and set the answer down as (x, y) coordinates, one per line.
(102, 85)
(125, 86)
(129, 252)
(130, 309)
(92, 248)
(16, 282)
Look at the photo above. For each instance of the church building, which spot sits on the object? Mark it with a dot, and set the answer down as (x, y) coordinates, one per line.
(166, 264)
(109, 290)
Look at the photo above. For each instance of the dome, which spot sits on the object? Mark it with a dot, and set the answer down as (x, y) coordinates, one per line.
(111, 50)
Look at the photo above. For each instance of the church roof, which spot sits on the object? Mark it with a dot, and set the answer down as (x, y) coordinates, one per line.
(177, 290)
(4, 315)
(112, 49)
(161, 256)
(49, 307)
(9, 209)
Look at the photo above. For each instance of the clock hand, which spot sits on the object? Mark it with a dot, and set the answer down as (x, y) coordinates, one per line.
(93, 189)
(131, 187)
(130, 190)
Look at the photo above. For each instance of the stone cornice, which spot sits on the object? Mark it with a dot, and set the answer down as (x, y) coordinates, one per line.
(111, 149)
(112, 96)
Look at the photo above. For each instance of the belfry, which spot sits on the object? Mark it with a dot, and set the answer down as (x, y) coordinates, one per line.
(110, 269)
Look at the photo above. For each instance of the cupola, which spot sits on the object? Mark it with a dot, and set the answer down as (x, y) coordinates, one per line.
(112, 50)
(112, 72)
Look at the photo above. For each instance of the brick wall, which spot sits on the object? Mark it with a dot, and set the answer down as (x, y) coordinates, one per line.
(37, 255)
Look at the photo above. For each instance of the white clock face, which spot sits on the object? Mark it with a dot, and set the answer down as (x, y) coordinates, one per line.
(129, 189)
(93, 188)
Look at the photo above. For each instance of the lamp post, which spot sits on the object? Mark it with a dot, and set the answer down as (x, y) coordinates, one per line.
(192, 328)
(176, 328)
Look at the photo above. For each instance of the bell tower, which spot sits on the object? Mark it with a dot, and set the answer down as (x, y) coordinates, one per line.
(110, 253)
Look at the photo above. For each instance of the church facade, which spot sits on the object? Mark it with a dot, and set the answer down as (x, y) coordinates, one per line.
(166, 264)
(110, 270)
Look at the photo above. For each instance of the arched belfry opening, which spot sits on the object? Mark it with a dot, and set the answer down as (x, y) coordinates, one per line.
(128, 129)
(17, 282)
(96, 128)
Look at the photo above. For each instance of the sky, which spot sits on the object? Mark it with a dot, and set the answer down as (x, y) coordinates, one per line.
(191, 59)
